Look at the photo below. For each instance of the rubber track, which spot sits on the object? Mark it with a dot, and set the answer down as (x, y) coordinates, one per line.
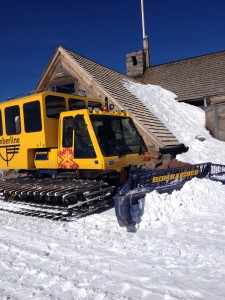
(62, 200)
(56, 213)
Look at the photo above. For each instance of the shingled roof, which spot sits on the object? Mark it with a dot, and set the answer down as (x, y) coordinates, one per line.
(101, 82)
(192, 78)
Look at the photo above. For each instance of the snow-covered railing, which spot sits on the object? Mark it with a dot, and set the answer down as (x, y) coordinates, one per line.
(140, 182)
(217, 169)
(155, 179)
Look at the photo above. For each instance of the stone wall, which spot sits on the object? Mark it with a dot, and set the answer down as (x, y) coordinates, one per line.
(215, 120)
(135, 64)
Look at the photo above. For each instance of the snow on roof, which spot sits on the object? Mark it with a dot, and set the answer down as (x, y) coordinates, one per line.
(185, 121)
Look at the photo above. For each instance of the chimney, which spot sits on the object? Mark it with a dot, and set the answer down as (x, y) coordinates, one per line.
(137, 62)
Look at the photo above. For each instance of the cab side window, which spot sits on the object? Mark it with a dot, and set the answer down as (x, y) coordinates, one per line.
(83, 147)
(94, 104)
(12, 119)
(1, 131)
(32, 116)
(75, 104)
(67, 141)
(54, 106)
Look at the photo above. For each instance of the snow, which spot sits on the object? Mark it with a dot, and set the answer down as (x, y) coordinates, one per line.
(185, 121)
(177, 252)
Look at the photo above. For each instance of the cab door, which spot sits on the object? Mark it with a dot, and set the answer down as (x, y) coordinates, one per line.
(78, 147)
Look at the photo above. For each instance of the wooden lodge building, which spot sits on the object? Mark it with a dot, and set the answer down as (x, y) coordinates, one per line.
(199, 81)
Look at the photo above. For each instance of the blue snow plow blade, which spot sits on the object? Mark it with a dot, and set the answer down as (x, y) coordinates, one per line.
(140, 182)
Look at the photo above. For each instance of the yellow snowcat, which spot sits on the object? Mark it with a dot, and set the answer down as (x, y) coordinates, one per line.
(70, 152)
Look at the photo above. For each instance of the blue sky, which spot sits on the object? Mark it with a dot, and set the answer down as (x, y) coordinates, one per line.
(103, 31)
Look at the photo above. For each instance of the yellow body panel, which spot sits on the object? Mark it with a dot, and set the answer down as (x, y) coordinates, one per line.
(33, 147)
(46, 159)
(17, 151)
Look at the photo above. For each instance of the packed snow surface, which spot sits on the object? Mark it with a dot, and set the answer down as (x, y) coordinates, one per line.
(177, 252)
(185, 121)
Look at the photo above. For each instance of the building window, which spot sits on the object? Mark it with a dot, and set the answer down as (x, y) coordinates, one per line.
(12, 118)
(64, 89)
(1, 131)
(134, 60)
(54, 106)
(32, 116)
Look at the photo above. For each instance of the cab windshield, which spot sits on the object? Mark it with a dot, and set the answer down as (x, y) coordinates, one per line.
(117, 135)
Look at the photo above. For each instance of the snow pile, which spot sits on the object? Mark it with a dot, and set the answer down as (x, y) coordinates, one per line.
(196, 196)
(185, 121)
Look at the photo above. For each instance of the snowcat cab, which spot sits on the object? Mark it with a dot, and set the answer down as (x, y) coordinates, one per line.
(93, 142)
(51, 132)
